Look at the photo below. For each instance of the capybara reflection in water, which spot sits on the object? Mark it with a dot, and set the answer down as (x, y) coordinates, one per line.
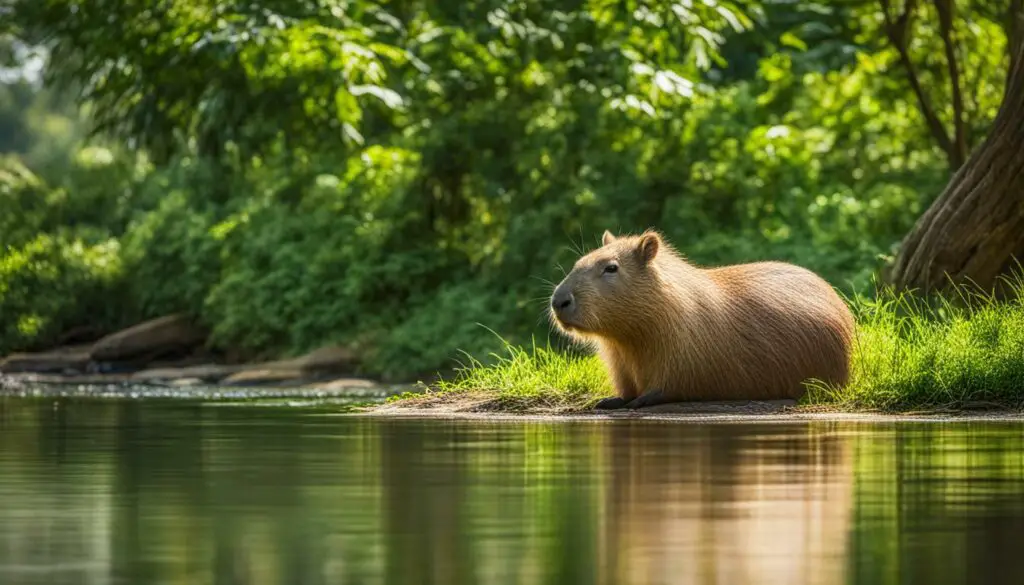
(669, 331)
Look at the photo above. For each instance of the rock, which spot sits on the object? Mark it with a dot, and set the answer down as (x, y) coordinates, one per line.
(85, 334)
(152, 338)
(204, 373)
(326, 360)
(69, 360)
(332, 359)
(347, 384)
(187, 382)
(186, 362)
(158, 374)
(265, 376)
(67, 380)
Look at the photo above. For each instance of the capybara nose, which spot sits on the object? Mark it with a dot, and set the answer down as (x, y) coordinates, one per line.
(562, 300)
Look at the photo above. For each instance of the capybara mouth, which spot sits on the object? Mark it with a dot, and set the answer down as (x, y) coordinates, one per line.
(567, 325)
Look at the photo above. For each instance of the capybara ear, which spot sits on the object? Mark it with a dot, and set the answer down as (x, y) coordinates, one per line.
(607, 238)
(648, 246)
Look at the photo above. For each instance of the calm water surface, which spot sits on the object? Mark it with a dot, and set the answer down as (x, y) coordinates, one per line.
(173, 492)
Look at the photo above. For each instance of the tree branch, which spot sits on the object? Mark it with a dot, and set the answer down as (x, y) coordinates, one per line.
(1015, 78)
(972, 103)
(898, 32)
(1014, 30)
(959, 153)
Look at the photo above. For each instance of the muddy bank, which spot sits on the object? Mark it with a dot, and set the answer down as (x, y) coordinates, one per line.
(751, 412)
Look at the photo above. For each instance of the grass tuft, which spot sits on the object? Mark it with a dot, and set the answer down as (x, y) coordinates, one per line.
(538, 378)
(955, 351)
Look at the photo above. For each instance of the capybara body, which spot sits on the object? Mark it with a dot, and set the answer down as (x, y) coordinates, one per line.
(670, 331)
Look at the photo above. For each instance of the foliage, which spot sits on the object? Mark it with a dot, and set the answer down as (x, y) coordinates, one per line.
(403, 177)
(22, 202)
(218, 73)
(301, 272)
(52, 284)
(173, 239)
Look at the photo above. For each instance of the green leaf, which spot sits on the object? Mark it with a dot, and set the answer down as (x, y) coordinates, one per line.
(791, 40)
(347, 107)
(390, 98)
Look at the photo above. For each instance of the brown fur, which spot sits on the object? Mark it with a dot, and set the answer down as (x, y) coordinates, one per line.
(745, 332)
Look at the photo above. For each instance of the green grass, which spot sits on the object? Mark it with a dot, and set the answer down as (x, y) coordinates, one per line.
(956, 351)
(948, 352)
(538, 378)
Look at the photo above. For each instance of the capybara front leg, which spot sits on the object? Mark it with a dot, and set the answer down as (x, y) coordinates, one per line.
(649, 398)
(611, 403)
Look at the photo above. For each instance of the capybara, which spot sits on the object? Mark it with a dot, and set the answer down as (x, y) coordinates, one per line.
(670, 331)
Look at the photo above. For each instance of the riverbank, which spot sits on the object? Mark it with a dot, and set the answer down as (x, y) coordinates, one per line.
(372, 401)
(711, 413)
(909, 356)
(171, 352)
(490, 406)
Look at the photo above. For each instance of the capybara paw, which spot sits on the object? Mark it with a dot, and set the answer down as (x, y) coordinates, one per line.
(611, 403)
(649, 398)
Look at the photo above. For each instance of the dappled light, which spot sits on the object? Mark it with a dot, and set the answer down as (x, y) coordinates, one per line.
(407, 178)
(511, 291)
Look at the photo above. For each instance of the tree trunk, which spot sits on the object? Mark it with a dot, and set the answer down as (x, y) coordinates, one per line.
(974, 231)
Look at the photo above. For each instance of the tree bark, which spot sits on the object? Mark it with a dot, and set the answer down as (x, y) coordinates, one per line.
(974, 231)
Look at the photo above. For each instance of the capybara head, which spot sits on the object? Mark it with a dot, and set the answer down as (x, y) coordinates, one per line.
(607, 290)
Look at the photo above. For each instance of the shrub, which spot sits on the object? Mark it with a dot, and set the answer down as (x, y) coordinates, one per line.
(52, 284)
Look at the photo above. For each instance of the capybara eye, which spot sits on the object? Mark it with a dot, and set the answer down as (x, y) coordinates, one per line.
(611, 268)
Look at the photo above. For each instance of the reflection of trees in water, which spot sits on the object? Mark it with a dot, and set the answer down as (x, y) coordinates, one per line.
(59, 529)
(471, 503)
(939, 503)
(423, 476)
(185, 493)
(259, 496)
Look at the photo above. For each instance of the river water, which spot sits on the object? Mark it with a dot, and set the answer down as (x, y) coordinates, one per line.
(190, 492)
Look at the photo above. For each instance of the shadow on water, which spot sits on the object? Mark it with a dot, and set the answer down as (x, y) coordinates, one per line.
(98, 492)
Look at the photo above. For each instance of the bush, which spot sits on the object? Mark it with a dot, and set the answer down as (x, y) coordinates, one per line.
(52, 284)
(23, 202)
(171, 260)
(324, 260)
